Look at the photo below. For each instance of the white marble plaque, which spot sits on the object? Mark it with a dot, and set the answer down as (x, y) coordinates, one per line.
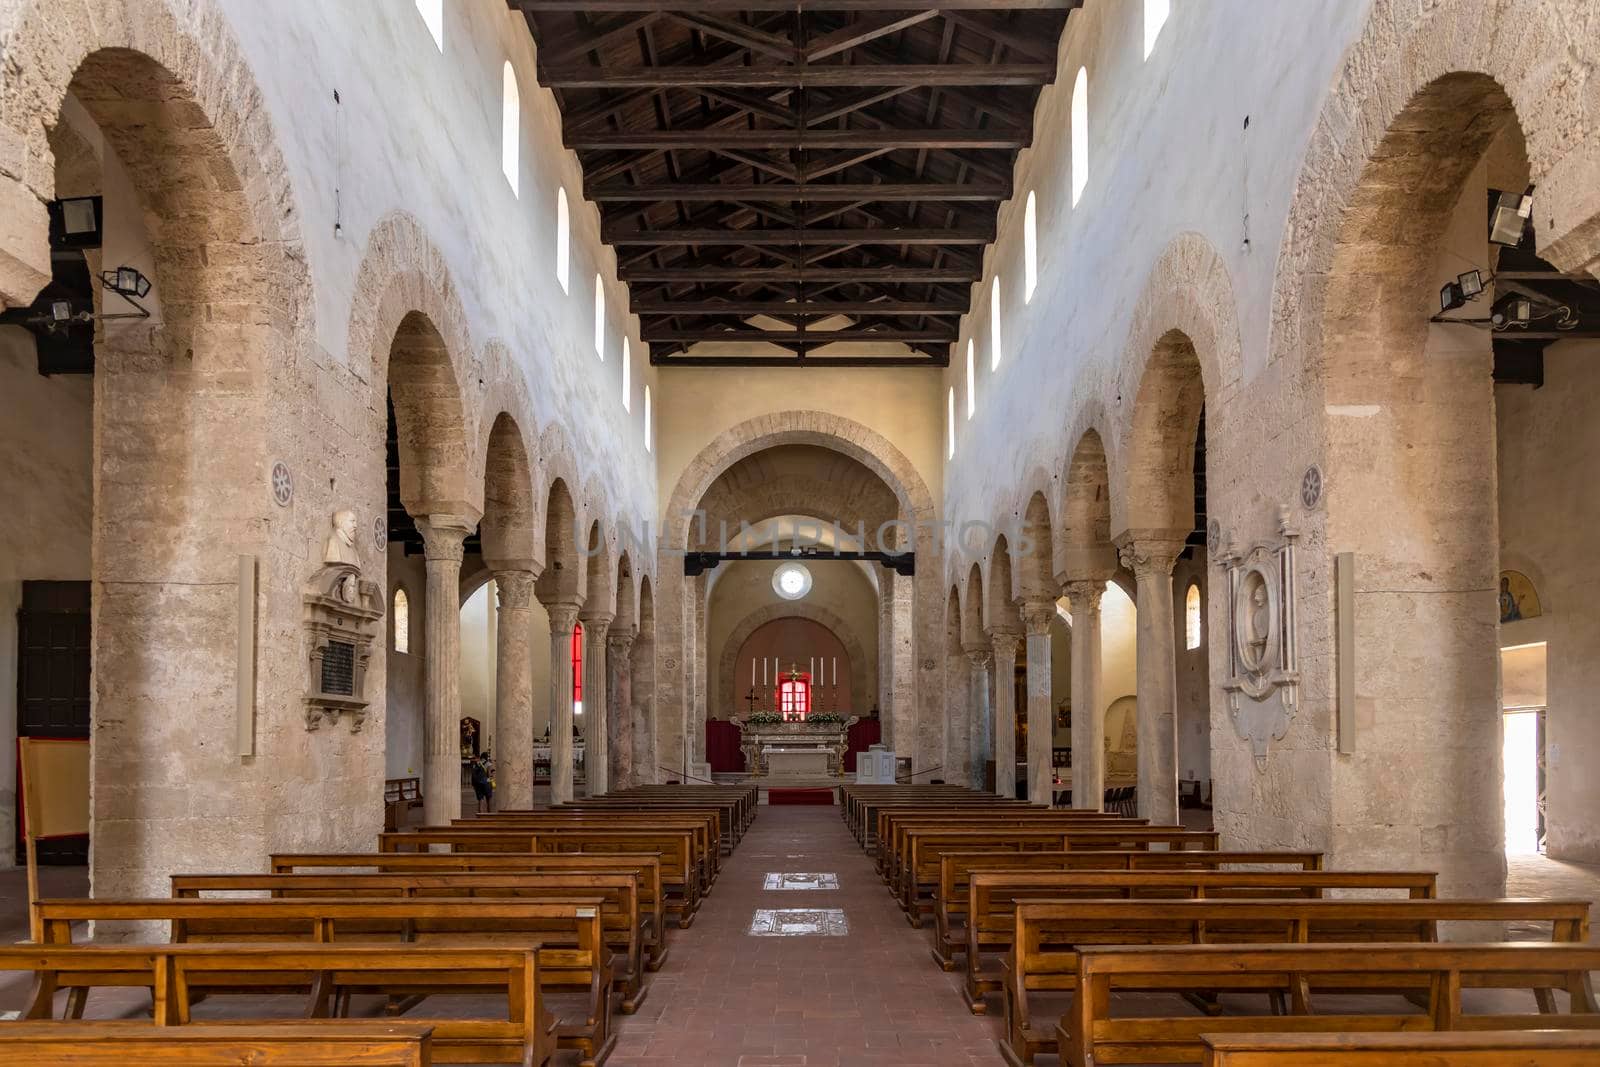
(794, 880)
(799, 922)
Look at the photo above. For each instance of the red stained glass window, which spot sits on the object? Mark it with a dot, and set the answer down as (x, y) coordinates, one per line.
(794, 698)
(577, 666)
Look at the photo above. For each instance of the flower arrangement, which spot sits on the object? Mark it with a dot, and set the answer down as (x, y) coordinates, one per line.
(763, 718)
(825, 718)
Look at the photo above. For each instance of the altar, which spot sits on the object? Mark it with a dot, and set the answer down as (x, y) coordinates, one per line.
(798, 763)
(783, 748)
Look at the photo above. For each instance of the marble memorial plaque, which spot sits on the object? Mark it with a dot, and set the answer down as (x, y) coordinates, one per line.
(794, 880)
(799, 922)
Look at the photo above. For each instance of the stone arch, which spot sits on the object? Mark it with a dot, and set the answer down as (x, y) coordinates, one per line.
(599, 572)
(833, 432)
(627, 592)
(1167, 410)
(562, 578)
(727, 684)
(973, 610)
(509, 528)
(999, 610)
(1034, 574)
(430, 423)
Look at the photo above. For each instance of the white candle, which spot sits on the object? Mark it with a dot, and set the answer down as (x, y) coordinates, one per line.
(752, 674)
(836, 672)
(763, 671)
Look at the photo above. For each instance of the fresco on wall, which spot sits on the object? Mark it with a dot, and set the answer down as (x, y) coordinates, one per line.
(1122, 737)
(1518, 598)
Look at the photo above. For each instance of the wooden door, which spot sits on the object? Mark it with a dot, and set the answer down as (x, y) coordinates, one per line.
(53, 683)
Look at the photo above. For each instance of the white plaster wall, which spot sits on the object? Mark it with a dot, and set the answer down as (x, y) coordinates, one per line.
(479, 619)
(1549, 445)
(419, 131)
(45, 478)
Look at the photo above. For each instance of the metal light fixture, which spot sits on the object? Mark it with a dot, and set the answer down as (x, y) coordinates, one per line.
(126, 282)
(1471, 283)
(1509, 218)
(1456, 294)
(1511, 310)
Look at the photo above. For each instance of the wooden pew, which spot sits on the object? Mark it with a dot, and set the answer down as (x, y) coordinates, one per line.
(283, 1044)
(890, 821)
(1499, 1048)
(702, 824)
(1089, 1035)
(624, 924)
(992, 898)
(323, 973)
(674, 849)
(400, 795)
(568, 936)
(745, 798)
(1051, 939)
(955, 868)
(922, 849)
(645, 867)
(726, 811)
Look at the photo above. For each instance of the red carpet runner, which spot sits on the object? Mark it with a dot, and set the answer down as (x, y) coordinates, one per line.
(800, 796)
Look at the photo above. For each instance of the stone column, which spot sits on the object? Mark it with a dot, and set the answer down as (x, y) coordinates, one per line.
(902, 708)
(1088, 714)
(1005, 644)
(596, 746)
(978, 657)
(1151, 561)
(513, 691)
(619, 707)
(699, 669)
(1036, 616)
(441, 757)
(957, 762)
(563, 619)
(885, 657)
(643, 692)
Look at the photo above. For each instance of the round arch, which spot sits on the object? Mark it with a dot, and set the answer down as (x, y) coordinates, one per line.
(745, 628)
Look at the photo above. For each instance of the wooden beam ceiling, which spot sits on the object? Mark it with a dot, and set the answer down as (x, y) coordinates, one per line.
(769, 163)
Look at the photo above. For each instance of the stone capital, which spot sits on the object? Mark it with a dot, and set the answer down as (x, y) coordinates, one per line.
(595, 627)
(442, 537)
(620, 641)
(1036, 616)
(1083, 596)
(563, 617)
(515, 589)
(978, 655)
(1006, 643)
(1149, 557)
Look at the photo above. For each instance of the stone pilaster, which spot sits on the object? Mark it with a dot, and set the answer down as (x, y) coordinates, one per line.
(1036, 616)
(885, 657)
(513, 692)
(699, 670)
(563, 619)
(957, 760)
(1005, 644)
(978, 721)
(596, 743)
(441, 757)
(1151, 561)
(901, 705)
(619, 707)
(1088, 712)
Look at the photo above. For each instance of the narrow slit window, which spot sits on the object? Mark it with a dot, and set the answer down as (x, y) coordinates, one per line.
(1155, 17)
(599, 318)
(577, 668)
(1080, 134)
(972, 381)
(1030, 248)
(1191, 618)
(647, 426)
(994, 325)
(563, 239)
(432, 12)
(950, 422)
(401, 613)
(510, 126)
(627, 377)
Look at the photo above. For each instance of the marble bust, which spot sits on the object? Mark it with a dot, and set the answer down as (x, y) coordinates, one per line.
(341, 546)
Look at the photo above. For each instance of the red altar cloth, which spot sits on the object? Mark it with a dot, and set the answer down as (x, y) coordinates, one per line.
(722, 746)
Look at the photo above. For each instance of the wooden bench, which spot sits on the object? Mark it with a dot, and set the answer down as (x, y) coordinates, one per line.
(892, 821)
(325, 974)
(922, 849)
(645, 867)
(285, 1044)
(992, 898)
(727, 812)
(1090, 1035)
(680, 873)
(1050, 941)
(955, 868)
(703, 825)
(400, 795)
(567, 935)
(1499, 1048)
(624, 924)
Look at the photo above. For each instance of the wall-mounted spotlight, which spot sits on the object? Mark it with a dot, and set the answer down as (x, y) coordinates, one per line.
(130, 284)
(1511, 310)
(1456, 294)
(1509, 217)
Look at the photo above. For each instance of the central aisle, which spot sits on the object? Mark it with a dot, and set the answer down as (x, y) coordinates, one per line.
(872, 997)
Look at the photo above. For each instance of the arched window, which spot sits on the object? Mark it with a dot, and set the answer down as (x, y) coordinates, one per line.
(1030, 248)
(950, 419)
(794, 698)
(1155, 17)
(599, 316)
(972, 381)
(577, 668)
(400, 613)
(563, 239)
(994, 324)
(510, 126)
(433, 15)
(1080, 134)
(647, 425)
(627, 377)
(1191, 617)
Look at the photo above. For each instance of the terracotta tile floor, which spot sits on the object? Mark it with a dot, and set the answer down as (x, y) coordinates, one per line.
(871, 998)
